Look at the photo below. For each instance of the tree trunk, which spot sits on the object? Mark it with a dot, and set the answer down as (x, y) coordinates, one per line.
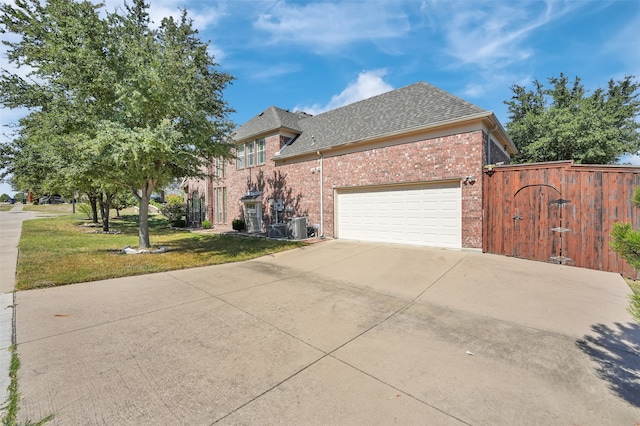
(105, 219)
(93, 200)
(105, 206)
(143, 226)
(143, 195)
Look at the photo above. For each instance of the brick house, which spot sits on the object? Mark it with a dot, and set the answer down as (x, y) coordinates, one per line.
(405, 166)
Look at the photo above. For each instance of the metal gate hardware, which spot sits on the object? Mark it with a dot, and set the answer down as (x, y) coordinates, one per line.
(560, 201)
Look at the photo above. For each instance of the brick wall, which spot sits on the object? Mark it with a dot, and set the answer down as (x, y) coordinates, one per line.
(448, 157)
(290, 184)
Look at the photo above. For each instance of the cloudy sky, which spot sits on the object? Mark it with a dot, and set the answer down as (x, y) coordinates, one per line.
(319, 55)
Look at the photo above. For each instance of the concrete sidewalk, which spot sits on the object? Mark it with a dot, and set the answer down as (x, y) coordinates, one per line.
(335, 333)
(10, 229)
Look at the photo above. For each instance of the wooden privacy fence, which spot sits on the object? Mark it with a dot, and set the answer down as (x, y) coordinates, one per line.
(559, 212)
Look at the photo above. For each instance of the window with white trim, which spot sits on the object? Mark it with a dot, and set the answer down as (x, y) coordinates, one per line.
(220, 195)
(240, 156)
(262, 151)
(251, 154)
(219, 168)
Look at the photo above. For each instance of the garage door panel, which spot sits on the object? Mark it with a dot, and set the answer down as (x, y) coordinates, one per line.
(428, 215)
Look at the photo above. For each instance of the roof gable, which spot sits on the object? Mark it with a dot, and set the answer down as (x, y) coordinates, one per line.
(414, 107)
(272, 118)
(410, 107)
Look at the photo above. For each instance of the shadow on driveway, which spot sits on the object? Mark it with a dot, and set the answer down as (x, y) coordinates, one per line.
(617, 353)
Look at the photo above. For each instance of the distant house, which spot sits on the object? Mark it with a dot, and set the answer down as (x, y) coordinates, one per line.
(402, 167)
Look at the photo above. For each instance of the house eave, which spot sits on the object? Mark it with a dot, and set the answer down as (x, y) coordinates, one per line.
(407, 131)
(264, 133)
(495, 127)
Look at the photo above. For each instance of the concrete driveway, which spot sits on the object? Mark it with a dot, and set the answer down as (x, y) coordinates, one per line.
(339, 333)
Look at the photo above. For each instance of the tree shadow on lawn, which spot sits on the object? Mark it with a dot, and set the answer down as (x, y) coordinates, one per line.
(617, 353)
(128, 224)
(228, 245)
(182, 241)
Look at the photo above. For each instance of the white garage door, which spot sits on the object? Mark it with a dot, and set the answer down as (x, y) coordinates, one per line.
(426, 215)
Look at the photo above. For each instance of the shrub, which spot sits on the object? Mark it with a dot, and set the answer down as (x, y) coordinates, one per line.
(238, 224)
(175, 210)
(85, 208)
(206, 224)
(626, 242)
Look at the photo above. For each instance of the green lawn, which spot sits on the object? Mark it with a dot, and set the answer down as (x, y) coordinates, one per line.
(634, 306)
(50, 208)
(64, 250)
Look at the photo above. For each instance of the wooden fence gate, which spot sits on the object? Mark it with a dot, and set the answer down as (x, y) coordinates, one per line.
(559, 212)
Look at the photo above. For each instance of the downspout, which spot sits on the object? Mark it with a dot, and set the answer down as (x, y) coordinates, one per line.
(321, 196)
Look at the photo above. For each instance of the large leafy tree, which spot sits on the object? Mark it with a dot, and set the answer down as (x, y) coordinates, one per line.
(562, 122)
(113, 100)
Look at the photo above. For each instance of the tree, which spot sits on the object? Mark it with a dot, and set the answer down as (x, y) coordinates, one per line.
(626, 242)
(114, 100)
(560, 122)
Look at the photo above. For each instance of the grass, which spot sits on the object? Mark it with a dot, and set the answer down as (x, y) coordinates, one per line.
(49, 208)
(63, 250)
(11, 407)
(634, 298)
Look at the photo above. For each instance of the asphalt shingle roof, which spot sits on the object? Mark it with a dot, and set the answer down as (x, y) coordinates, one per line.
(270, 119)
(411, 107)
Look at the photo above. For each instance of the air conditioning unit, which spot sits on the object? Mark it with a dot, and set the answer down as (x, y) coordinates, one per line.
(297, 227)
(277, 230)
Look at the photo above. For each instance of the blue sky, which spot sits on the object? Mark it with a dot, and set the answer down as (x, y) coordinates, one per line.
(319, 55)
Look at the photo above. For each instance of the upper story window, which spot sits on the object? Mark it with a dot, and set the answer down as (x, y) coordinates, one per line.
(262, 151)
(251, 154)
(219, 168)
(240, 156)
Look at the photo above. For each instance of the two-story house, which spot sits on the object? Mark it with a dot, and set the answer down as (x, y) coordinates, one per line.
(405, 167)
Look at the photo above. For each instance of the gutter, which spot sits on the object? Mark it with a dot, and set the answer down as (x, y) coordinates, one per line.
(483, 115)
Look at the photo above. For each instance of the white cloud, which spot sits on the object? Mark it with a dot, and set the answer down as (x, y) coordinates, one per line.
(217, 53)
(202, 16)
(323, 26)
(624, 45)
(368, 84)
(273, 71)
(630, 159)
(492, 34)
